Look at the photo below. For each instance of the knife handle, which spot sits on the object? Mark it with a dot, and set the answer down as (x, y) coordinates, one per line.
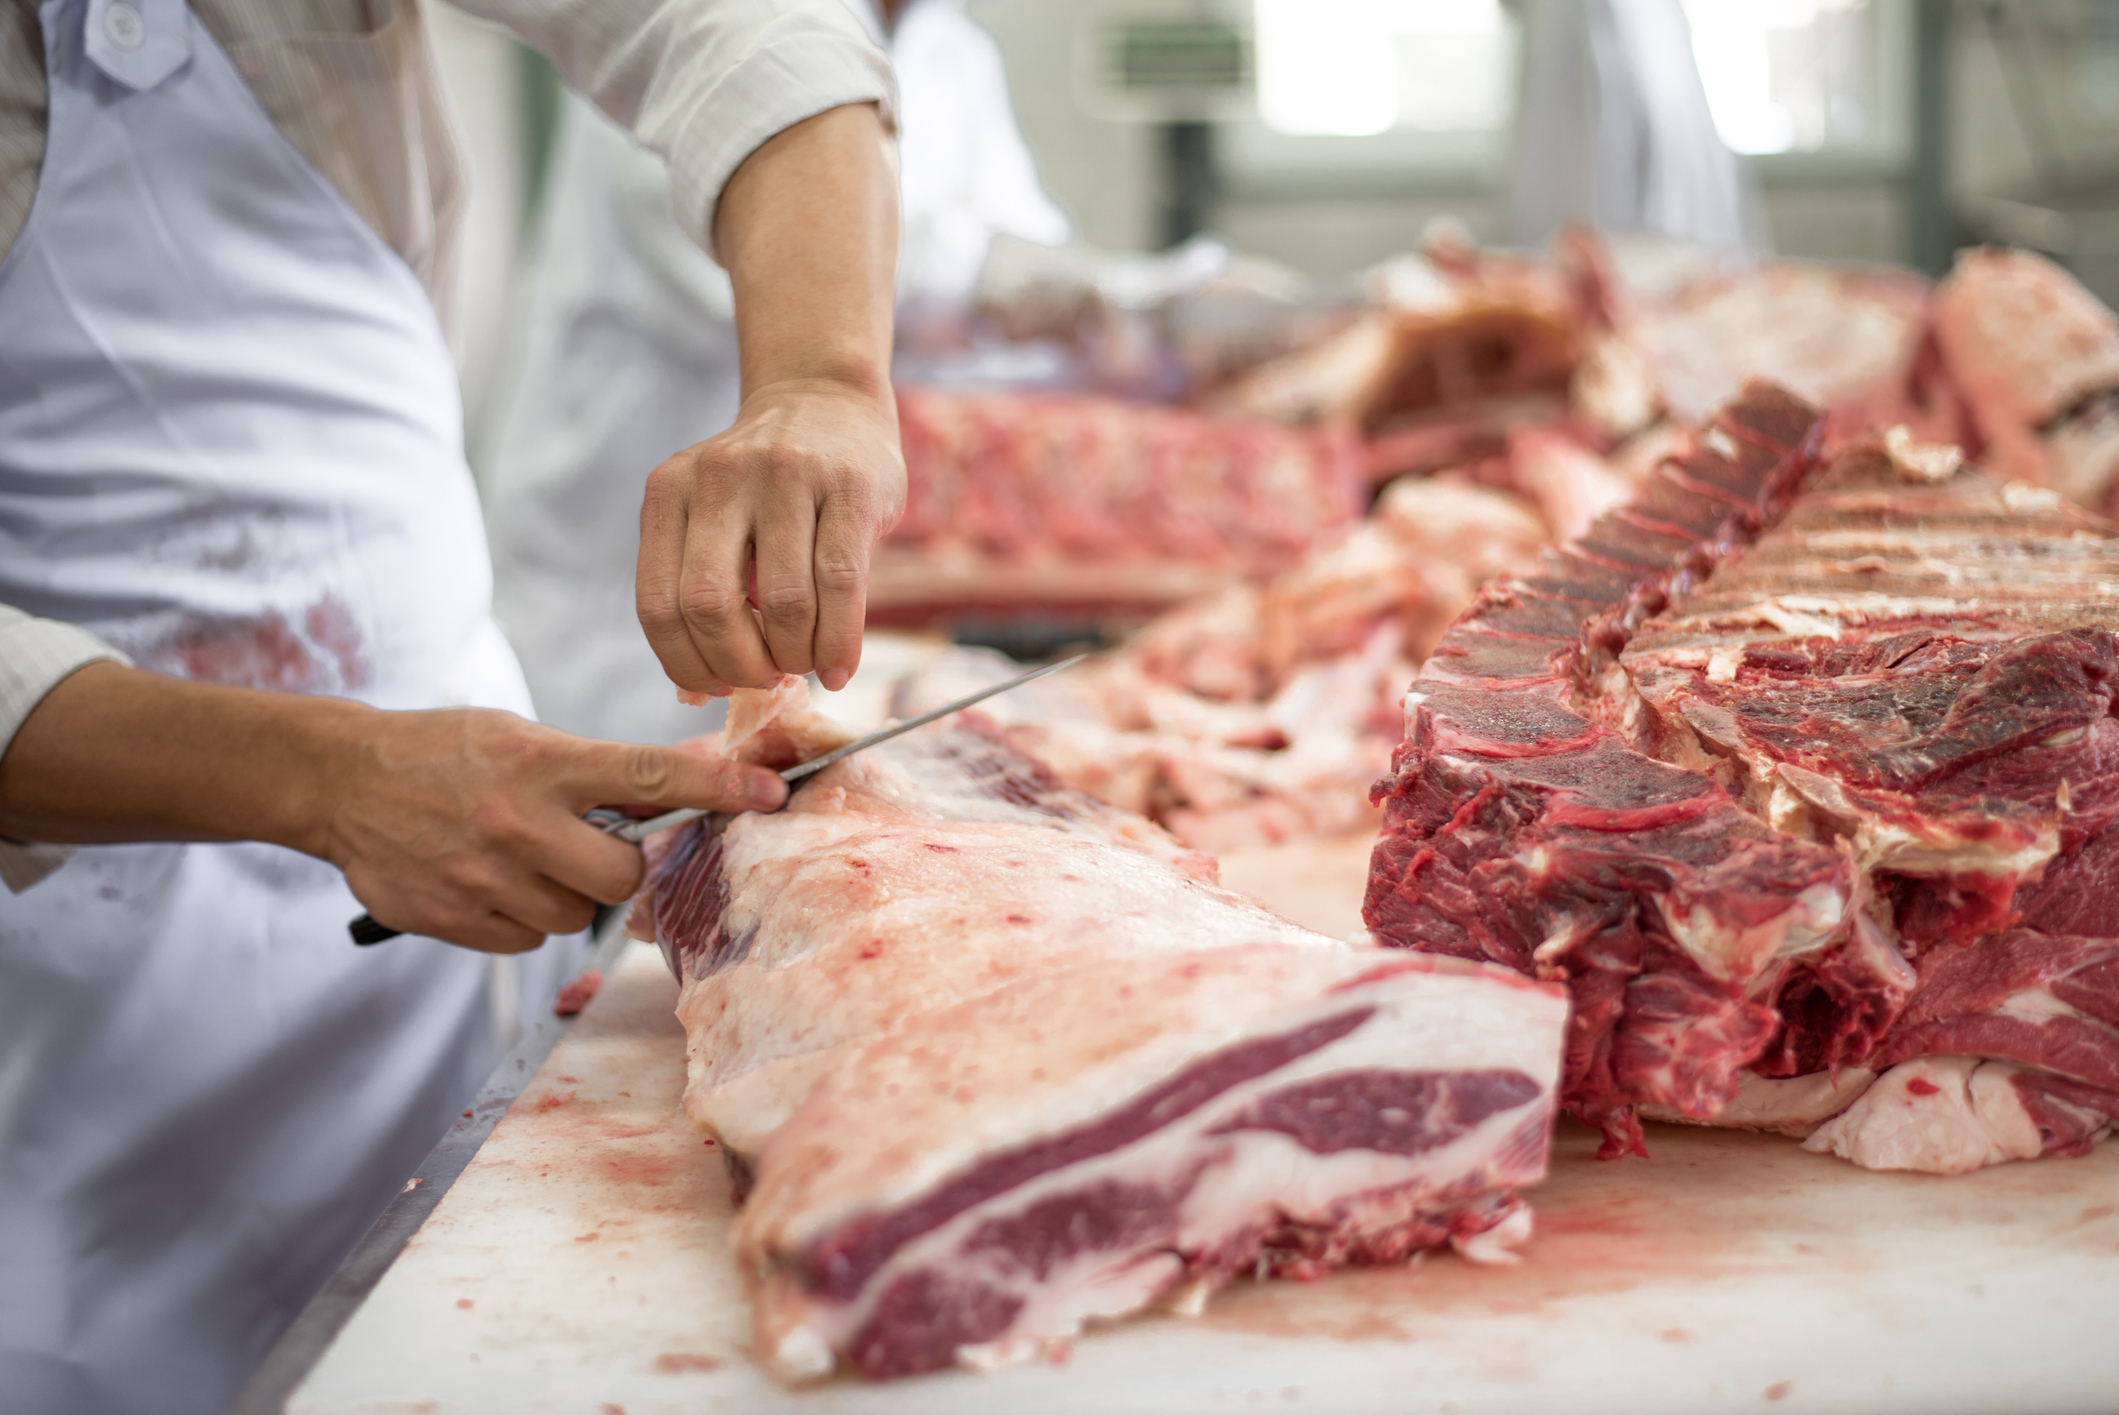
(367, 931)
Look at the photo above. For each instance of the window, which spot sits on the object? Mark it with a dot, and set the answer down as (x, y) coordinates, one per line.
(1788, 75)
(1356, 68)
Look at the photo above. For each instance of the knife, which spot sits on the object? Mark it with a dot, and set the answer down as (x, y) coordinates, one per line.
(366, 930)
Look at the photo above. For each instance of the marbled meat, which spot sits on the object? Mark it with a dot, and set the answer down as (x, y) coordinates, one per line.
(1821, 841)
(993, 1059)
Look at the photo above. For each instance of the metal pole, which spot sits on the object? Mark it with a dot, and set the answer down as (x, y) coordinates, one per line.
(1931, 229)
(1188, 180)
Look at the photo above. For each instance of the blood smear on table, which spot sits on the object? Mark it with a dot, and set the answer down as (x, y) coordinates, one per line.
(575, 995)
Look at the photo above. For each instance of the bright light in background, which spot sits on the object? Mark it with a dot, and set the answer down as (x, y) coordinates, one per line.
(1783, 75)
(1325, 67)
(1355, 68)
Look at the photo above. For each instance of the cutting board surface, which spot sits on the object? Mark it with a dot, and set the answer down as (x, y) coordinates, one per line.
(581, 1264)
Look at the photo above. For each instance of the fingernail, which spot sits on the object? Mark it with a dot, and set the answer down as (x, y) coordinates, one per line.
(767, 791)
(833, 679)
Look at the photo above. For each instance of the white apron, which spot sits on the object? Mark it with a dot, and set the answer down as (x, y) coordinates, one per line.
(230, 444)
(1615, 130)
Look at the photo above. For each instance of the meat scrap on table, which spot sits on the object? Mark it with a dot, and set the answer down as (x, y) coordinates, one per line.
(990, 1059)
(1820, 835)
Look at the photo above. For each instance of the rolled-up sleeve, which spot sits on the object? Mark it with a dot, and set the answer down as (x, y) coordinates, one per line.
(704, 82)
(34, 655)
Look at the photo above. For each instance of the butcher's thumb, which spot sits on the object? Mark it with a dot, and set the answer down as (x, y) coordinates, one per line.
(670, 779)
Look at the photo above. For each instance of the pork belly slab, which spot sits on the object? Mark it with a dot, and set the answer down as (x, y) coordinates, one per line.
(1821, 840)
(992, 1059)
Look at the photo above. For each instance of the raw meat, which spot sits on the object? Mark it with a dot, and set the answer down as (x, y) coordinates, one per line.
(1570, 484)
(578, 994)
(1262, 713)
(1451, 326)
(2036, 358)
(1846, 340)
(994, 1059)
(1084, 502)
(1920, 671)
(1520, 829)
(1842, 808)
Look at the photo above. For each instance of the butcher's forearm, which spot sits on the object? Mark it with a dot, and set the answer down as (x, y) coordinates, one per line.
(462, 823)
(115, 753)
(784, 509)
(808, 228)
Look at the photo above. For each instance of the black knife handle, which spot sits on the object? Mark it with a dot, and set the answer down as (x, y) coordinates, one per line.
(366, 931)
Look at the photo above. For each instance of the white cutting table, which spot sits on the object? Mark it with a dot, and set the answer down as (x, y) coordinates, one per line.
(580, 1264)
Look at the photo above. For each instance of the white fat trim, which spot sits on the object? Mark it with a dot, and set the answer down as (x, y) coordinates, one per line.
(1881, 953)
(987, 1357)
(2038, 1006)
(1565, 936)
(745, 1110)
(1496, 1246)
(1191, 1300)
(1779, 615)
(1085, 1290)
(1258, 1171)
(1722, 664)
(1822, 616)
(1917, 461)
(1881, 845)
(1897, 543)
(1973, 1117)
(1794, 1105)
(1735, 955)
(801, 1354)
(1788, 810)
(1942, 545)
(2020, 497)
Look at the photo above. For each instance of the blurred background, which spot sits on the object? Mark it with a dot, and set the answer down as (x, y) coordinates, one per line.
(1329, 134)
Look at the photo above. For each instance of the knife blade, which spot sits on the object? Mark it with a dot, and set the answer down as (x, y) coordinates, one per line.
(366, 931)
(639, 830)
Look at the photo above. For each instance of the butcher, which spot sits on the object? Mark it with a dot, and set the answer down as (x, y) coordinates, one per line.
(249, 681)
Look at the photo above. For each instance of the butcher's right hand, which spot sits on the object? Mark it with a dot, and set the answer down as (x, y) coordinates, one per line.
(465, 824)
(459, 823)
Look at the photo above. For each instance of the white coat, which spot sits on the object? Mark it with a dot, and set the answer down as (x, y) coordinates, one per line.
(629, 355)
(230, 445)
(1614, 130)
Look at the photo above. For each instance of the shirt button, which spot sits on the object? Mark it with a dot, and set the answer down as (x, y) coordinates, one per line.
(123, 25)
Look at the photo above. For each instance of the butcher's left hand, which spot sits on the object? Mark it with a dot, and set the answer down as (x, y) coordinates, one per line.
(783, 510)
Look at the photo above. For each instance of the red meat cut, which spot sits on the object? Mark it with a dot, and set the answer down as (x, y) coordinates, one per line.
(1842, 806)
(1089, 503)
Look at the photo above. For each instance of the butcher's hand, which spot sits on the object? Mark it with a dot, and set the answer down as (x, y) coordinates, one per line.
(463, 824)
(796, 494)
(466, 824)
(783, 511)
